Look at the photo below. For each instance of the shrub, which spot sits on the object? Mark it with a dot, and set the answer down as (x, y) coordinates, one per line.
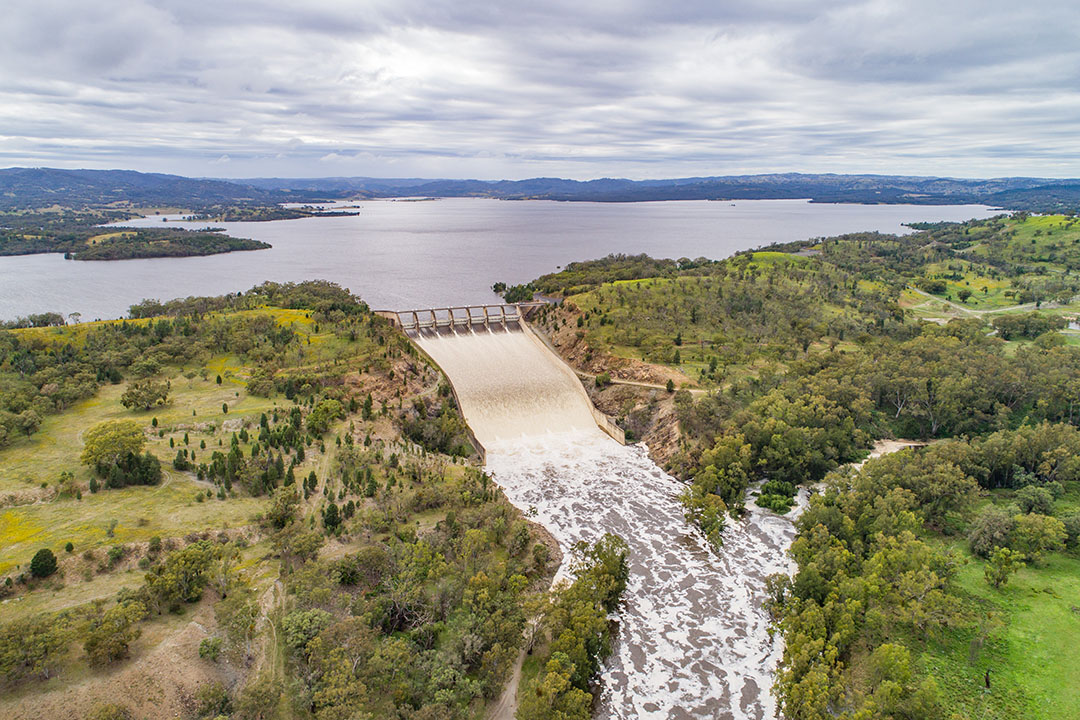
(43, 564)
(210, 649)
(1035, 499)
(303, 625)
(212, 700)
(110, 711)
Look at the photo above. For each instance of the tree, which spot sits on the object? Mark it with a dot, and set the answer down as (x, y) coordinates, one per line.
(283, 506)
(554, 696)
(258, 699)
(1036, 534)
(43, 564)
(1035, 499)
(111, 635)
(991, 528)
(1003, 563)
(145, 395)
(331, 517)
(32, 647)
(28, 421)
(302, 626)
(963, 294)
(319, 419)
(108, 441)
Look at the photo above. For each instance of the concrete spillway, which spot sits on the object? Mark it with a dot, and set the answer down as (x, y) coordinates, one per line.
(692, 639)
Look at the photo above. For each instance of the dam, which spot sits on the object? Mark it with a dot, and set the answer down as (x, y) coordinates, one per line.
(692, 638)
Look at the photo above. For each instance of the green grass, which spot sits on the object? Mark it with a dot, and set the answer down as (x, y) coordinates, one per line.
(141, 512)
(1030, 648)
(1000, 292)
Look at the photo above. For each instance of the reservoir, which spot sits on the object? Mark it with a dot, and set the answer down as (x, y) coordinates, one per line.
(406, 254)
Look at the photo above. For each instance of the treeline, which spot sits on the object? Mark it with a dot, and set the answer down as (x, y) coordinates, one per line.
(735, 312)
(579, 634)
(581, 276)
(792, 428)
(80, 236)
(158, 243)
(327, 299)
(872, 585)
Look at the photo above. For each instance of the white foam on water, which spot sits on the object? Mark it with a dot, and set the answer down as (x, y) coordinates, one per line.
(692, 638)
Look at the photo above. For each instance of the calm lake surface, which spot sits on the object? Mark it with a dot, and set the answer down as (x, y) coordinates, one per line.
(402, 255)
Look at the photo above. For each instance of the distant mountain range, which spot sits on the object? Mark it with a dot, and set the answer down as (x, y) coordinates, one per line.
(41, 187)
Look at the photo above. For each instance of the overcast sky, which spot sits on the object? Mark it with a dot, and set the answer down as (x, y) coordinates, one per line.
(402, 88)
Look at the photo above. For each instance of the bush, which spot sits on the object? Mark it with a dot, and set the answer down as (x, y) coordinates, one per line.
(43, 564)
(111, 636)
(110, 711)
(303, 625)
(212, 701)
(1072, 529)
(210, 649)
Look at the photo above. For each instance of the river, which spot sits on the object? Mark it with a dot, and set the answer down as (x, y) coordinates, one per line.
(401, 255)
(693, 638)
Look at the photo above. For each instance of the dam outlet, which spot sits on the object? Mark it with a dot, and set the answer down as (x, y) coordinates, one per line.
(692, 638)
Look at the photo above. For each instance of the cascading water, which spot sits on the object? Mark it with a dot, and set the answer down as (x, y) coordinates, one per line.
(693, 638)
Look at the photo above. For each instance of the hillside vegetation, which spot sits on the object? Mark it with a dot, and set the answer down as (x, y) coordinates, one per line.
(258, 505)
(79, 235)
(918, 573)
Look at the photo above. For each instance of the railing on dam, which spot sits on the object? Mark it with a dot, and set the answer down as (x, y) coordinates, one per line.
(462, 317)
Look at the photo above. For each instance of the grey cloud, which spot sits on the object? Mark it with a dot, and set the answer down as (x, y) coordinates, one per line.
(509, 89)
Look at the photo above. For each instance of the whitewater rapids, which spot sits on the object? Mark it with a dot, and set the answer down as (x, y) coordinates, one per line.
(692, 638)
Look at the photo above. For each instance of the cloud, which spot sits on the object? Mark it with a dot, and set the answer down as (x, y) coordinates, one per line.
(482, 89)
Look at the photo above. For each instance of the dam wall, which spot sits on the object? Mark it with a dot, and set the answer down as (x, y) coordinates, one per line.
(547, 390)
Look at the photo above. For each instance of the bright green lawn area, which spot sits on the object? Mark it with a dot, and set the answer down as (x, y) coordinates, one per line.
(1031, 650)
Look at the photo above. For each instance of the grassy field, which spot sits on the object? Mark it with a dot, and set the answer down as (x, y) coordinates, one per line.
(195, 409)
(141, 512)
(1030, 251)
(1030, 627)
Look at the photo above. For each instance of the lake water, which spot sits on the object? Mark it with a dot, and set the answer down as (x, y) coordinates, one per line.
(403, 255)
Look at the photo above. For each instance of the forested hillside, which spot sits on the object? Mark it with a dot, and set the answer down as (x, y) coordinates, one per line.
(915, 572)
(261, 505)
